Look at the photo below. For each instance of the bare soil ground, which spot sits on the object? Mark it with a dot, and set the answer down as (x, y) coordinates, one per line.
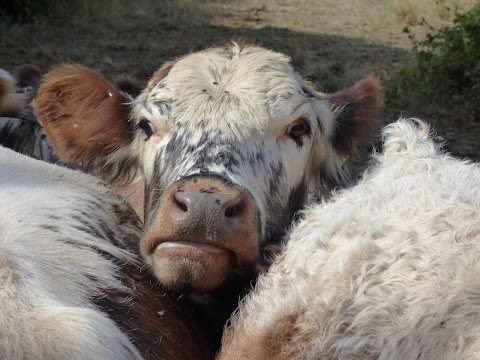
(331, 42)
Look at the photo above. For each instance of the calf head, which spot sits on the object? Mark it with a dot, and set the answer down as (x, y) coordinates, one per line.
(229, 140)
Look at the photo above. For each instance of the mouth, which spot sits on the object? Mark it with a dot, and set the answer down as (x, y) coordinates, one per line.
(193, 250)
(188, 246)
(189, 265)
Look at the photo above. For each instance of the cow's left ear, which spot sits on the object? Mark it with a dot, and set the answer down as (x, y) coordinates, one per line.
(84, 116)
(357, 111)
(349, 118)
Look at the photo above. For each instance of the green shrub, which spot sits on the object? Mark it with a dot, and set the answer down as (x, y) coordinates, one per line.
(447, 62)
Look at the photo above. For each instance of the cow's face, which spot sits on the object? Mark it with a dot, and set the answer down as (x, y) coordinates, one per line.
(229, 141)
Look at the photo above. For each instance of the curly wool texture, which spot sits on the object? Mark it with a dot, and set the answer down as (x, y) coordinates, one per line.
(385, 270)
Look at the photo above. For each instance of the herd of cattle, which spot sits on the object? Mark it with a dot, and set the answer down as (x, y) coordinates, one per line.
(213, 215)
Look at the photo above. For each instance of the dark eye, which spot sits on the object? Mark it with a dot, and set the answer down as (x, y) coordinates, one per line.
(298, 129)
(147, 127)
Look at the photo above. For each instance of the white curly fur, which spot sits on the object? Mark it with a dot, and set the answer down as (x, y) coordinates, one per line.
(388, 269)
(51, 263)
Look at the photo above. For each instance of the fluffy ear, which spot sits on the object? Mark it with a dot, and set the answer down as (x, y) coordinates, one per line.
(356, 114)
(84, 116)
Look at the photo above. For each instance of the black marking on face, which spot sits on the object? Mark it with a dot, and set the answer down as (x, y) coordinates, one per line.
(281, 215)
(273, 185)
(204, 138)
(218, 153)
(146, 107)
(155, 188)
(298, 106)
(296, 200)
(320, 124)
(163, 105)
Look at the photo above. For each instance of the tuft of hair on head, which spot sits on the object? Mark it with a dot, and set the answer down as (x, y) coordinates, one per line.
(241, 41)
(128, 85)
(84, 116)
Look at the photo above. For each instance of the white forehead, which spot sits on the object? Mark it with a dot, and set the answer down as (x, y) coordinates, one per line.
(242, 86)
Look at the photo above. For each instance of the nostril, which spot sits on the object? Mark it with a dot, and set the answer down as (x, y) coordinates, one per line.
(233, 210)
(180, 202)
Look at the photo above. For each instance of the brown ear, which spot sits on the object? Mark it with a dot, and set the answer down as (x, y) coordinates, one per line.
(357, 112)
(84, 116)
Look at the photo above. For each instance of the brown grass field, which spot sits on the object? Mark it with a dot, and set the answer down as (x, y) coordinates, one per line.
(331, 42)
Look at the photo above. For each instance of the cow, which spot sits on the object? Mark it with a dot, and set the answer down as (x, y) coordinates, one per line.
(70, 273)
(229, 140)
(387, 269)
(19, 129)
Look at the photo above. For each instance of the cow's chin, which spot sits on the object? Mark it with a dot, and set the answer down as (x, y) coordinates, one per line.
(191, 266)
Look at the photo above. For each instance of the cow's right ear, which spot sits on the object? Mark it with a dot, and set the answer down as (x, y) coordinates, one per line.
(84, 116)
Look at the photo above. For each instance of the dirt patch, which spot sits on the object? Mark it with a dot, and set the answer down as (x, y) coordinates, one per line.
(331, 42)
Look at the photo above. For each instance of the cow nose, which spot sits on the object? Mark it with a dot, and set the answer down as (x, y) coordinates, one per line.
(224, 205)
(203, 229)
(211, 213)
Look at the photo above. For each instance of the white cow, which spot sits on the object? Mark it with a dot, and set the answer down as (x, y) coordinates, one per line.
(228, 141)
(70, 282)
(388, 269)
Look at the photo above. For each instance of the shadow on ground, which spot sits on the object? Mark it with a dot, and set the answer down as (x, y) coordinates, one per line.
(138, 48)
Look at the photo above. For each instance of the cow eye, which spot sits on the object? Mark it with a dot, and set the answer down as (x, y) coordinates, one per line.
(147, 127)
(298, 129)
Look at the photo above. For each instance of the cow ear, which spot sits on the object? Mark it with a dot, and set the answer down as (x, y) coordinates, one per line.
(84, 116)
(356, 112)
(349, 121)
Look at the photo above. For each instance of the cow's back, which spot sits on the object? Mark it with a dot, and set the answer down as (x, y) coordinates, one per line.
(70, 280)
(385, 270)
